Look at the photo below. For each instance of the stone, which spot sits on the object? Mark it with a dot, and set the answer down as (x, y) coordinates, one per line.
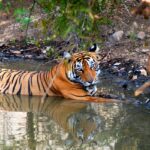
(135, 25)
(40, 57)
(15, 51)
(117, 36)
(2, 44)
(28, 56)
(141, 35)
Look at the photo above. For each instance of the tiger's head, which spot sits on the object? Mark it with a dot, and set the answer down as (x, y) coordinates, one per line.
(83, 68)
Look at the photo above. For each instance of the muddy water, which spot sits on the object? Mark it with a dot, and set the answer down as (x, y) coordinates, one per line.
(58, 124)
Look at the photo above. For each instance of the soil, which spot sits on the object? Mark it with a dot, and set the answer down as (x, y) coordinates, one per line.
(129, 46)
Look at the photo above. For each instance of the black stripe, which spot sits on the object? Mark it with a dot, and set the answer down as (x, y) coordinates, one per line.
(53, 89)
(44, 77)
(78, 59)
(29, 89)
(15, 76)
(19, 91)
(6, 86)
(19, 79)
(34, 73)
(30, 83)
(42, 83)
(3, 75)
(38, 82)
(6, 89)
(14, 86)
(26, 73)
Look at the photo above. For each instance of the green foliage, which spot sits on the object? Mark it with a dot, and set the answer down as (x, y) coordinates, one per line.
(21, 16)
(6, 7)
(82, 18)
(68, 18)
(1, 6)
(50, 51)
(132, 35)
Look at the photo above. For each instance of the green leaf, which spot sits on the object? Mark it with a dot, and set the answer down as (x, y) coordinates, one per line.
(26, 20)
(1, 6)
(20, 12)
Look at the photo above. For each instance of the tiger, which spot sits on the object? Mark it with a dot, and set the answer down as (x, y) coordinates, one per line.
(75, 77)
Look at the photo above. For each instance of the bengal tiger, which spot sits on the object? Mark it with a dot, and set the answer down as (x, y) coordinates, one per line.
(75, 77)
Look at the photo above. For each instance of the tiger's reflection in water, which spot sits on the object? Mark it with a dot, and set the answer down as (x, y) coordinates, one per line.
(77, 119)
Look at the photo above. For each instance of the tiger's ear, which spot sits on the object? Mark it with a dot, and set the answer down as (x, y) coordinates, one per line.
(67, 56)
(94, 48)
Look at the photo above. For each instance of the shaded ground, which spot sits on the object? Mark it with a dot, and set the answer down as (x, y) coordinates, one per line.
(129, 46)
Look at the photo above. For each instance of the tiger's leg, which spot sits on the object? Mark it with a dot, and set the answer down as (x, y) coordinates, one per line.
(81, 95)
(141, 89)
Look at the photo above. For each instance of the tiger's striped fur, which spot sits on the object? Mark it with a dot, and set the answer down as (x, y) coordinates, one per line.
(73, 78)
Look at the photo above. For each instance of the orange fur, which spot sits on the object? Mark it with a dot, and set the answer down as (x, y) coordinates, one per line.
(53, 83)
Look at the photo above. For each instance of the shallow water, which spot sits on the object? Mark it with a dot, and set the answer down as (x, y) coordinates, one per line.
(57, 124)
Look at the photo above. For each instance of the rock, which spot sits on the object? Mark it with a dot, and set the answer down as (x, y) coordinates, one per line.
(40, 57)
(44, 51)
(117, 36)
(28, 56)
(141, 35)
(145, 50)
(135, 25)
(117, 64)
(15, 51)
(2, 44)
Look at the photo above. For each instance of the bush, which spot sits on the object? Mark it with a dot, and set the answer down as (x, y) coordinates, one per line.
(67, 18)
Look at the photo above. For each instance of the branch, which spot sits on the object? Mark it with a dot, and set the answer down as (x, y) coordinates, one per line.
(31, 10)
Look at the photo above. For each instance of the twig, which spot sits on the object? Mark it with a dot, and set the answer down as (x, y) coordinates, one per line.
(125, 6)
(31, 10)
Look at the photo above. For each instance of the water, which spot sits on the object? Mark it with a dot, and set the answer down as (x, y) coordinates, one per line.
(31, 123)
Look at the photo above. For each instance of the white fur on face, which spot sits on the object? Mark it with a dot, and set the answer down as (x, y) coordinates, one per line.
(91, 63)
(78, 65)
(90, 87)
(91, 90)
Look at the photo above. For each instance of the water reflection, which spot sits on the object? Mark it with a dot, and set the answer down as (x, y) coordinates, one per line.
(31, 123)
